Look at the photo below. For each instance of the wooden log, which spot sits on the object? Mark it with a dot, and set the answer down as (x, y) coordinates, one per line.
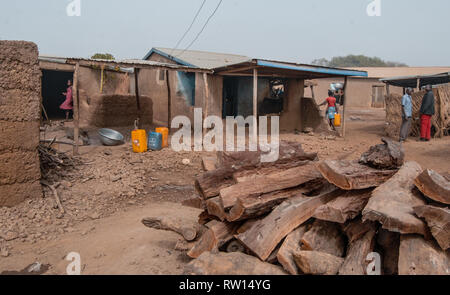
(324, 237)
(219, 234)
(420, 257)
(355, 229)
(434, 186)
(273, 257)
(253, 174)
(265, 235)
(204, 217)
(345, 207)
(392, 203)
(183, 246)
(194, 202)
(389, 243)
(248, 224)
(235, 246)
(438, 220)
(253, 206)
(317, 263)
(274, 182)
(389, 155)
(352, 175)
(230, 264)
(290, 246)
(209, 163)
(215, 208)
(209, 184)
(355, 262)
(187, 230)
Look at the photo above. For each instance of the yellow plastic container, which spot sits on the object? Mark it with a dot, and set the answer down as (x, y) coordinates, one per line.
(165, 136)
(337, 120)
(139, 140)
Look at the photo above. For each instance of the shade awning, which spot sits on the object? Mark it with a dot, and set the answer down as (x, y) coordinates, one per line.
(411, 81)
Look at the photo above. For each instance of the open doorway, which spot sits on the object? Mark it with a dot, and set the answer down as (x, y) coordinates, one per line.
(54, 83)
(230, 97)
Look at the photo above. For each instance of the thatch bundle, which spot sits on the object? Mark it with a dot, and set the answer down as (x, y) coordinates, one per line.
(440, 121)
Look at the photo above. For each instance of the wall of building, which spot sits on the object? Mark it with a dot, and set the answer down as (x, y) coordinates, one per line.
(20, 98)
(290, 119)
(359, 93)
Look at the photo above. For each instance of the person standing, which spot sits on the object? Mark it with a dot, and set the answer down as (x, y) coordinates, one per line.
(67, 105)
(406, 115)
(426, 112)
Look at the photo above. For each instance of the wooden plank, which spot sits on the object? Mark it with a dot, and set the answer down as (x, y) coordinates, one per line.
(265, 235)
(345, 207)
(255, 103)
(420, 257)
(434, 186)
(76, 110)
(169, 101)
(344, 112)
(352, 175)
(230, 264)
(392, 203)
(324, 237)
(136, 90)
(438, 220)
(291, 245)
(274, 182)
(317, 263)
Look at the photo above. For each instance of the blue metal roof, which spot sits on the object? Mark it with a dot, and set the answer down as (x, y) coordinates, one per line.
(175, 59)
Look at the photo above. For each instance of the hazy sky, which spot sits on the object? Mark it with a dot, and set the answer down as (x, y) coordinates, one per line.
(415, 32)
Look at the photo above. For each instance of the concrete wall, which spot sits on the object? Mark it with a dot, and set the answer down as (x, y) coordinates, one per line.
(20, 97)
(359, 93)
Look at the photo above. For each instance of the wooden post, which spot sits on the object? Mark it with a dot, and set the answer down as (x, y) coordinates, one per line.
(418, 84)
(169, 101)
(345, 106)
(442, 114)
(255, 103)
(388, 93)
(76, 110)
(136, 90)
(206, 102)
(312, 92)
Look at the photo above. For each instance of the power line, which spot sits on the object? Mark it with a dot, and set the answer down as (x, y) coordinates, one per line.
(201, 31)
(190, 27)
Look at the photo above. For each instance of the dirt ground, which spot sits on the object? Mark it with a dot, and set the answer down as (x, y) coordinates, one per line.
(106, 198)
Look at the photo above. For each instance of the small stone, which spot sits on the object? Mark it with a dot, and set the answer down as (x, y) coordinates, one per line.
(186, 162)
(31, 214)
(94, 215)
(4, 252)
(10, 236)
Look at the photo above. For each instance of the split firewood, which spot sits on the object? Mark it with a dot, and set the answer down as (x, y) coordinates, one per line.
(274, 182)
(209, 163)
(247, 225)
(345, 207)
(352, 175)
(230, 264)
(273, 257)
(291, 245)
(248, 175)
(235, 246)
(219, 234)
(324, 237)
(317, 263)
(355, 229)
(266, 234)
(209, 184)
(214, 207)
(389, 155)
(420, 257)
(438, 220)
(390, 244)
(355, 262)
(434, 186)
(184, 246)
(392, 203)
(194, 202)
(252, 206)
(204, 217)
(187, 230)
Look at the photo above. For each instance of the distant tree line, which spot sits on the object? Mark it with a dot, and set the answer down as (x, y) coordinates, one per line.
(356, 61)
(106, 56)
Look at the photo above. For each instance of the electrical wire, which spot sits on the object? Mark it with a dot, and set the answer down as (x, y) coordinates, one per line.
(190, 27)
(203, 28)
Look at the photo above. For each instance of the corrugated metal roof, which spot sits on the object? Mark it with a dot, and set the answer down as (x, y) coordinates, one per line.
(200, 59)
(391, 72)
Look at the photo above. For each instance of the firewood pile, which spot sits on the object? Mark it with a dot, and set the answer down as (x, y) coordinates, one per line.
(300, 215)
(53, 163)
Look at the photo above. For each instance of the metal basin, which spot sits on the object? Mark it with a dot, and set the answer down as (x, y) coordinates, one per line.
(110, 137)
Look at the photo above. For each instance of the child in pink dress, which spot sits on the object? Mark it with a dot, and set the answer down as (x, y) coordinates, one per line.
(67, 105)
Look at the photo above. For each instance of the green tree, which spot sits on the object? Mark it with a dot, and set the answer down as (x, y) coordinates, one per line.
(106, 56)
(356, 61)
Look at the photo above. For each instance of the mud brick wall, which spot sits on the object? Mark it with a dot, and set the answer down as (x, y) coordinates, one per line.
(20, 97)
(114, 110)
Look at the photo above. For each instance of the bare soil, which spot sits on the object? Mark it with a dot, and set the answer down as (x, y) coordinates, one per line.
(106, 198)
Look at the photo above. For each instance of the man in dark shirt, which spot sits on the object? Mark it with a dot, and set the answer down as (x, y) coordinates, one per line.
(426, 112)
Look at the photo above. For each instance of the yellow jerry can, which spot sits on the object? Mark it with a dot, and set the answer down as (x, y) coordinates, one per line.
(165, 136)
(139, 140)
(337, 120)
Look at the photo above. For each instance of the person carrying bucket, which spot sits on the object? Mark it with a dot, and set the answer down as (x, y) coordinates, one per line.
(332, 108)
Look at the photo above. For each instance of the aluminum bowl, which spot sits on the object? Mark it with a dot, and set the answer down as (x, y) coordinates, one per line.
(110, 137)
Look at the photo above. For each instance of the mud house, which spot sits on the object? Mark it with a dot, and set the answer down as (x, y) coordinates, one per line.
(369, 91)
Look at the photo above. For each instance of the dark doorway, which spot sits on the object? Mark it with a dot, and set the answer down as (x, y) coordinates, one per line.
(230, 97)
(54, 83)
